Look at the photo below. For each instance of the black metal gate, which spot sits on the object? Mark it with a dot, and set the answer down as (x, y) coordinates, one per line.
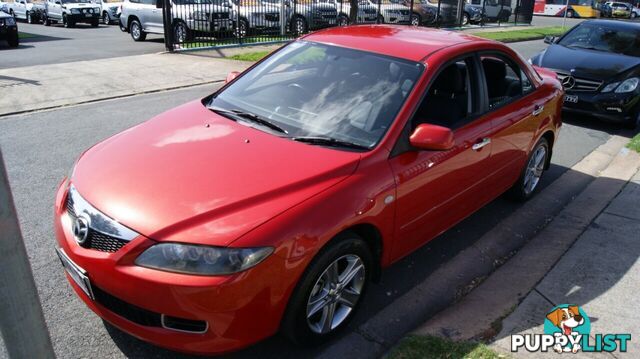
(191, 24)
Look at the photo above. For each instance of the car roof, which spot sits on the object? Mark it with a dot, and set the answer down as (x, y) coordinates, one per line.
(614, 24)
(402, 41)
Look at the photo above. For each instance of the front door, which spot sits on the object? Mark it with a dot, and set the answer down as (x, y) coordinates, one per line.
(437, 189)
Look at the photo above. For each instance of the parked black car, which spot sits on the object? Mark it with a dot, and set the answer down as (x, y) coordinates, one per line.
(598, 62)
(9, 29)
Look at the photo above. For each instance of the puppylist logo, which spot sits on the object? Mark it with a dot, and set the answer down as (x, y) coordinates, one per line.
(566, 330)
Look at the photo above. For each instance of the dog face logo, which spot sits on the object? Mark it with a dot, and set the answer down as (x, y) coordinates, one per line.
(570, 321)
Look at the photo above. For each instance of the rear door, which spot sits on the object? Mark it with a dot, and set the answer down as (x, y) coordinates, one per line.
(153, 16)
(436, 189)
(516, 109)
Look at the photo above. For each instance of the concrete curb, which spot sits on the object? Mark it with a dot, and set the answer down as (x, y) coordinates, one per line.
(446, 285)
(496, 297)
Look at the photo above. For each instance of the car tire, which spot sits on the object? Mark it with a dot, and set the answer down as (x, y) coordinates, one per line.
(527, 184)
(14, 40)
(95, 23)
(66, 22)
(299, 25)
(348, 255)
(46, 21)
(181, 32)
(415, 20)
(29, 18)
(106, 19)
(343, 20)
(465, 18)
(633, 15)
(137, 34)
(570, 13)
(380, 19)
(241, 28)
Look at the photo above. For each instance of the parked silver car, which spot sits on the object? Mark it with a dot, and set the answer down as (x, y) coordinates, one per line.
(190, 17)
(109, 10)
(71, 12)
(305, 15)
(367, 13)
(392, 12)
(254, 16)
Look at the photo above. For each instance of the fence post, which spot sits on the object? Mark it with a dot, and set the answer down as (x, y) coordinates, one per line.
(438, 19)
(22, 324)
(379, 11)
(411, 15)
(166, 19)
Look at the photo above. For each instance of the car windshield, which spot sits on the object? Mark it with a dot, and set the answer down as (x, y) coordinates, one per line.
(320, 91)
(604, 38)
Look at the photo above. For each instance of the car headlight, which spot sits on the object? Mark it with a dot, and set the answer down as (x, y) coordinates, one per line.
(628, 85)
(610, 87)
(75, 11)
(203, 260)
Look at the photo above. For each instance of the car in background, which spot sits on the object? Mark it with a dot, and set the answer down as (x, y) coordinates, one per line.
(598, 62)
(494, 10)
(254, 16)
(621, 10)
(305, 15)
(635, 12)
(364, 154)
(367, 13)
(471, 14)
(109, 10)
(9, 29)
(31, 11)
(71, 12)
(392, 11)
(190, 17)
(422, 12)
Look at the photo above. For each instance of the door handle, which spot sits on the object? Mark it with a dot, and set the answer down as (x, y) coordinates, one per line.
(537, 110)
(477, 146)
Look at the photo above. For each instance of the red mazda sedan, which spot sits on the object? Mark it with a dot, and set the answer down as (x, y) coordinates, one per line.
(273, 203)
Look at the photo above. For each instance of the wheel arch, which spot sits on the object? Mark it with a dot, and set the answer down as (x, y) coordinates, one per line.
(130, 18)
(372, 236)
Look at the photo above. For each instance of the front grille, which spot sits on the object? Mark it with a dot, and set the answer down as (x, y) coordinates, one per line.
(126, 310)
(96, 240)
(581, 84)
(220, 15)
(272, 17)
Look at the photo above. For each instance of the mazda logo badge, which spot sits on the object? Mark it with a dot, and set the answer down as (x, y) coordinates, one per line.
(568, 82)
(81, 229)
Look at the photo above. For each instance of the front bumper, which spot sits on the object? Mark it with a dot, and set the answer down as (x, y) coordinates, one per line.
(239, 309)
(606, 106)
(88, 18)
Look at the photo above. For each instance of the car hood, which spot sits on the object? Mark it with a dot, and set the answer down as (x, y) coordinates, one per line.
(597, 65)
(190, 175)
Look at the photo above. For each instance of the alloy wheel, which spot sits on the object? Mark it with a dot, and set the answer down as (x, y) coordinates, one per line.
(465, 19)
(29, 18)
(343, 21)
(105, 19)
(335, 294)
(535, 167)
(415, 20)
(300, 26)
(135, 30)
(180, 33)
(241, 29)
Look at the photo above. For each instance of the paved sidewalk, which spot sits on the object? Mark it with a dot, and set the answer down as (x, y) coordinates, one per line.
(42, 87)
(600, 272)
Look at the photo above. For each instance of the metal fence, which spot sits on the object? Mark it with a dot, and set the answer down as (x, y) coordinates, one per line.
(190, 24)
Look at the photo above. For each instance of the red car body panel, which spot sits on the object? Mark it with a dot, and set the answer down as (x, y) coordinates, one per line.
(192, 176)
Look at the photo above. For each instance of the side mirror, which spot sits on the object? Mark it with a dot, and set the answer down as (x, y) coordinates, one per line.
(432, 137)
(550, 39)
(159, 4)
(231, 76)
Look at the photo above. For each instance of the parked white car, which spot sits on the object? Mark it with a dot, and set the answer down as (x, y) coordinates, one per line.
(367, 13)
(393, 12)
(255, 15)
(494, 10)
(109, 10)
(29, 10)
(142, 17)
(71, 12)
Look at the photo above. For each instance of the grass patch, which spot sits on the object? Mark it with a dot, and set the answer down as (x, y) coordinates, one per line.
(634, 144)
(26, 35)
(521, 34)
(250, 56)
(416, 346)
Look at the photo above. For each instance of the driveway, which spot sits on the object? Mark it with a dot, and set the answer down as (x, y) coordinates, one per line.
(40, 148)
(54, 45)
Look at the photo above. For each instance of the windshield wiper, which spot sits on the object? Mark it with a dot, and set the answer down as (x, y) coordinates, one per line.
(248, 116)
(328, 141)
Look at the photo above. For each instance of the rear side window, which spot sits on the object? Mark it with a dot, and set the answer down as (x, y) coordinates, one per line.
(505, 80)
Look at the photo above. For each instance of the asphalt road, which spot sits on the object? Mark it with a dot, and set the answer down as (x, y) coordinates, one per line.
(40, 148)
(55, 44)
